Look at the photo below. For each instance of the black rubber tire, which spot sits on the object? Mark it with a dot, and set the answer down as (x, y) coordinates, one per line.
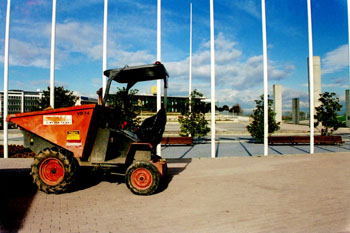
(139, 170)
(69, 166)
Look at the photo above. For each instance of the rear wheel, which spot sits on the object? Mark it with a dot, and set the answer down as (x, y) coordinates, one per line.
(53, 171)
(142, 178)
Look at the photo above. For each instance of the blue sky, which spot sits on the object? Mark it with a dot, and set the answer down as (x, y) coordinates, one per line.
(132, 26)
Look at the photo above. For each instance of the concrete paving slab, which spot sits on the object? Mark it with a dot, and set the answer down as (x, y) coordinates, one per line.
(299, 193)
(15, 164)
(231, 146)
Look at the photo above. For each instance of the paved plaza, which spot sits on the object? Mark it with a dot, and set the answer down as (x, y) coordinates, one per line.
(232, 139)
(238, 146)
(299, 193)
(239, 191)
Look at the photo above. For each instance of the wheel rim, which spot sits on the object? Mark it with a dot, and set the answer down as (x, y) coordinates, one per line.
(51, 171)
(141, 178)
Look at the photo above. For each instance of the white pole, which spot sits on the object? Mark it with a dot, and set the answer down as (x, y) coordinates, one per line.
(266, 97)
(212, 73)
(104, 56)
(190, 73)
(52, 62)
(349, 38)
(348, 44)
(22, 101)
(6, 68)
(311, 77)
(159, 94)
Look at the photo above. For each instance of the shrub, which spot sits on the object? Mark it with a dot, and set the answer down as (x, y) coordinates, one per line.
(256, 127)
(326, 113)
(193, 123)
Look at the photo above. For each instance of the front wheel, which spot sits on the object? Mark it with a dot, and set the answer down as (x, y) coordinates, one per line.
(53, 171)
(142, 178)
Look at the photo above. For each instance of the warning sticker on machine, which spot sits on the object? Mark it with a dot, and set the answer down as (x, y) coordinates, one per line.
(57, 120)
(73, 138)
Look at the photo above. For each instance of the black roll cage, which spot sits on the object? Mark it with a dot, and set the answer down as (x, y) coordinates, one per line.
(133, 74)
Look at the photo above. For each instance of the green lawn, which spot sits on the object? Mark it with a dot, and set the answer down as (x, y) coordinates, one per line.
(342, 118)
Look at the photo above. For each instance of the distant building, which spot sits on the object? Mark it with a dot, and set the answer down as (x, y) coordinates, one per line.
(174, 103)
(19, 101)
(149, 103)
(27, 101)
(86, 100)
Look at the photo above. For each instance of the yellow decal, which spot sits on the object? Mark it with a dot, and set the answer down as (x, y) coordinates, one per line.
(73, 135)
(73, 138)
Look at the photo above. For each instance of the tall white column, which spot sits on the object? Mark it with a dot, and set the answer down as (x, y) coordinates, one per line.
(22, 101)
(266, 93)
(190, 68)
(295, 111)
(311, 77)
(104, 49)
(52, 61)
(277, 102)
(317, 81)
(6, 67)
(159, 58)
(347, 107)
(212, 74)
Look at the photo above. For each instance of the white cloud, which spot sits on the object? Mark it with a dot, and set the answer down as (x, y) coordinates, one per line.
(250, 7)
(337, 82)
(86, 39)
(28, 54)
(33, 49)
(231, 69)
(121, 58)
(243, 97)
(289, 93)
(79, 37)
(335, 60)
(238, 79)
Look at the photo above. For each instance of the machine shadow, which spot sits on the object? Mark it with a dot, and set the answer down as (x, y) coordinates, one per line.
(175, 167)
(88, 178)
(16, 196)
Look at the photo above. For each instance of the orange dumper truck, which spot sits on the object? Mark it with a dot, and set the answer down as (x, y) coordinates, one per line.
(92, 135)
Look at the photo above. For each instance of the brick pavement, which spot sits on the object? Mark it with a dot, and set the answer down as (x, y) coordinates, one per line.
(299, 193)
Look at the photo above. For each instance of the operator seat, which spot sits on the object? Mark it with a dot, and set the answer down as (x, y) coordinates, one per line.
(152, 128)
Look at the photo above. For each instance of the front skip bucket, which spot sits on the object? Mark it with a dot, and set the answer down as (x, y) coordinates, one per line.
(65, 127)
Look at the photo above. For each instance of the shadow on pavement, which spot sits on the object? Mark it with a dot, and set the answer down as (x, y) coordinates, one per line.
(89, 177)
(184, 154)
(175, 167)
(275, 150)
(246, 149)
(16, 195)
(300, 149)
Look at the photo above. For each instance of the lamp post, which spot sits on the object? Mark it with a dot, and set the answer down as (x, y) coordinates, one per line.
(266, 94)
(6, 68)
(52, 61)
(212, 74)
(311, 77)
(104, 49)
(190, 68)
(159, 94)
